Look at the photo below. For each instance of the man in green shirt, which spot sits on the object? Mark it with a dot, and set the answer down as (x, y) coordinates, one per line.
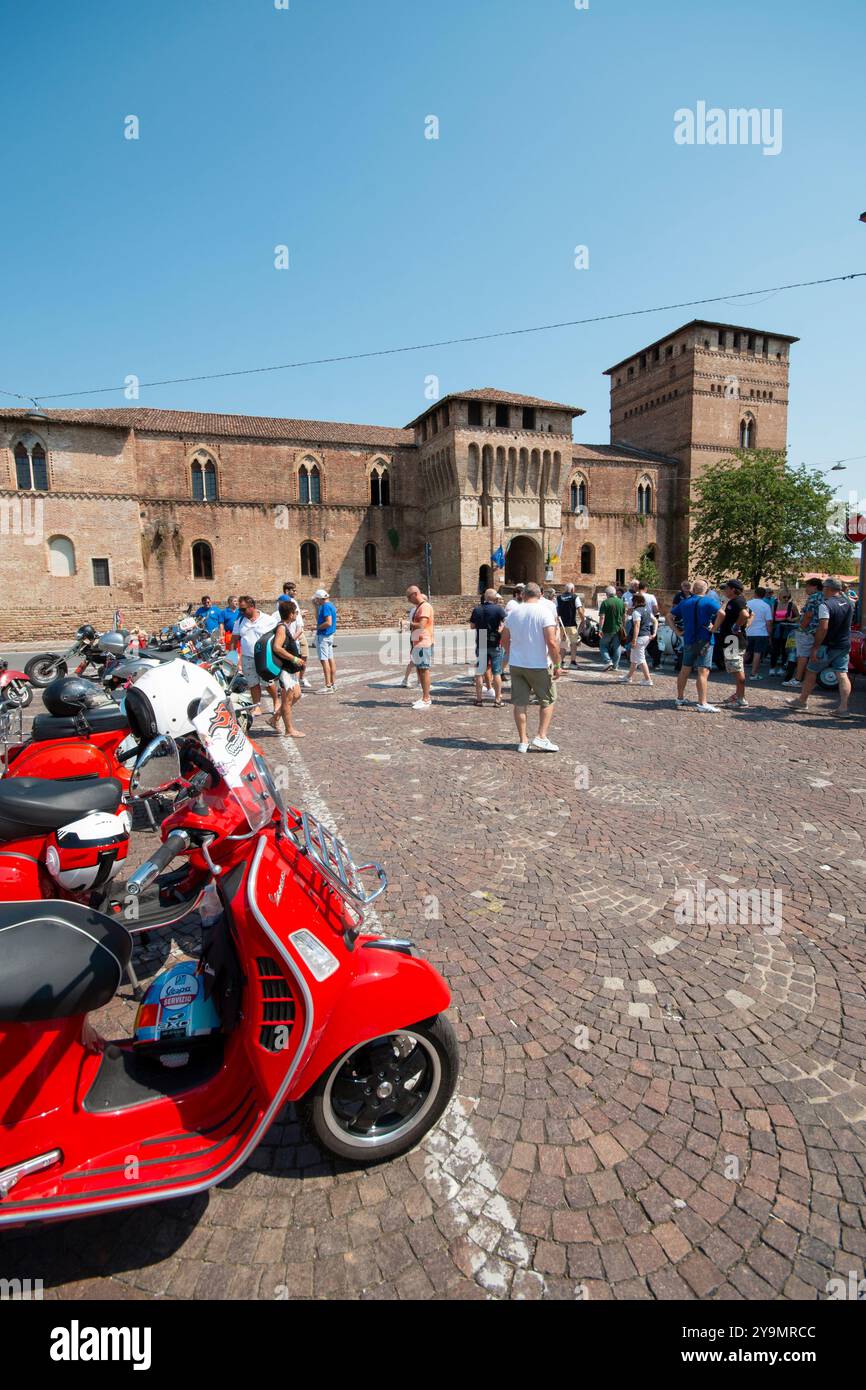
(611, 616)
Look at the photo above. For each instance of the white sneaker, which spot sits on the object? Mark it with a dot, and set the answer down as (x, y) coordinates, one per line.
(545, 745)
(624, 680)
(523, 747)
(682, 703)
(608, 667)
(646, 682)
(491, 694)
(422, 704)
(708, 709)
(792, 684)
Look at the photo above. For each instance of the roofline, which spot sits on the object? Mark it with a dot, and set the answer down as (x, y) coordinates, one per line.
(573, 410)
(61, 417)
(699, 323)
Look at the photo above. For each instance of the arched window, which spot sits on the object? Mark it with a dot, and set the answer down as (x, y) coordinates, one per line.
(309, 483)
(644, 497)
(380, 487)
(61, 557)
(202, 560)
(578, 494)
(204, 477)
(310, 560)
(587, 559)
(31, 467)
(748, 432)
(371, 568)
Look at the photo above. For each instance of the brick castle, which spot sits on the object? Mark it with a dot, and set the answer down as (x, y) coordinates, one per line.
(143, 509)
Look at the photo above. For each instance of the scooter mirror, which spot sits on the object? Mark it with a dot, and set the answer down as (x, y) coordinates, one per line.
(157, 767)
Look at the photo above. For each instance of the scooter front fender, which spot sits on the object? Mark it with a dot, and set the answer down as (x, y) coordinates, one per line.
(391, 990)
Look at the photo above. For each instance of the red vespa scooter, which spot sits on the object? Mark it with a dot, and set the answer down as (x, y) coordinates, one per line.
(307, 1007)
(15, 686)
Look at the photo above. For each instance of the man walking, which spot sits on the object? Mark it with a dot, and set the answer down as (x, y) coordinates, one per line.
(758, 644)
(251, 625)
(486, 620)
(611, 615)
(569, 606)
(831, 646)
(695, 614)
(422, 630)
(804, 636)
(532, 648)
(326, 626)
(731, 624)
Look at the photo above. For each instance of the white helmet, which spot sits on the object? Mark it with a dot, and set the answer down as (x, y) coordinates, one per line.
(166, 699)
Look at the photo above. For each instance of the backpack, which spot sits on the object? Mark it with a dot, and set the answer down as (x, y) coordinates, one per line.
(268, 665)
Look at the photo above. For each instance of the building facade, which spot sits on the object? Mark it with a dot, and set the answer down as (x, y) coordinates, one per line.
(144, 509)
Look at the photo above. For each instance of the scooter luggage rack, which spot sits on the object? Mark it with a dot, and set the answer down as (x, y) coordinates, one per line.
(335, 863)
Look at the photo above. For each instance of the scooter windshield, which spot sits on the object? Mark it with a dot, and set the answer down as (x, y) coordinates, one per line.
(235, 759)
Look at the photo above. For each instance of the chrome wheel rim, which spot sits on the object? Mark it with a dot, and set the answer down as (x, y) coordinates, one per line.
(382, 1089)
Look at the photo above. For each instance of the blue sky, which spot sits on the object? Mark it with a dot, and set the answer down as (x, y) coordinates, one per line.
(305, 127)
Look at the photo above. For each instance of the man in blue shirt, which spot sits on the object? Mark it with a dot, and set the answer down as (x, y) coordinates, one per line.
(213, 617)
(326, 626)
(696, 614)
(231, 613)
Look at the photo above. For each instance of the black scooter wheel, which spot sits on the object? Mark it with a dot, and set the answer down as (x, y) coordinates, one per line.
(41, 670)
(381, 1097)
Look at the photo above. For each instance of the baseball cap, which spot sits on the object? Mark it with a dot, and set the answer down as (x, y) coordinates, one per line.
(320, 593)
(734, 584)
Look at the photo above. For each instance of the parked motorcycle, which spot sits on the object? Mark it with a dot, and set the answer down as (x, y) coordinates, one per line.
(589, 632)
(85, 654)
(15, 686)
(290, 1000)
(81, 734)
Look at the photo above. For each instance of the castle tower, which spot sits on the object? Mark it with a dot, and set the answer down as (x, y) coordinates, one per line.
(492, 465)
(697, 394)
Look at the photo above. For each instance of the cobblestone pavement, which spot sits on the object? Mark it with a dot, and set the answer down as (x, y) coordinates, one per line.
(649, 1106)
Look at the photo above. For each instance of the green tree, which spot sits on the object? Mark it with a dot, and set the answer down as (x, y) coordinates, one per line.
(647, 571)
(757, 517)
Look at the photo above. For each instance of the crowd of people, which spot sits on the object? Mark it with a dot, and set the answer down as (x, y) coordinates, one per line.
(529, 640)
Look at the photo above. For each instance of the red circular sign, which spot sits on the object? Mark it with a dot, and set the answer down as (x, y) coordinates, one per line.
(855, 528)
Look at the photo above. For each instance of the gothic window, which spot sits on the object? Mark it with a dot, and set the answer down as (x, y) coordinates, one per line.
(204, 478)
(578, 494)
(31, 467)
(310, 560)
(371, 568)
(380, 487)
(202, 560)
(309, 483)
(748, 432)
(644, 497)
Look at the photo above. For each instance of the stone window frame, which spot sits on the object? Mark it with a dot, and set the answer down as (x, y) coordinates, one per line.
(306, 571)
(578, 479)
(210, 554)
(371, 560)
(27, 440)
(587, 545)
(380, 467)
(644, 495)
(310, 465)
(202, 458)
(747, 432)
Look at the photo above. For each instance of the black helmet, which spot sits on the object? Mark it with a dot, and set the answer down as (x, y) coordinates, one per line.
(86, 631)
(67, 695)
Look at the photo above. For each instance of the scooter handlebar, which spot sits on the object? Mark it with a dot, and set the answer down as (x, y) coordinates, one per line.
(144, 876)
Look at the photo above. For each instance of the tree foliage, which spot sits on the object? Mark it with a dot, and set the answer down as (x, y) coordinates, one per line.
(756, 517)
(647, 572)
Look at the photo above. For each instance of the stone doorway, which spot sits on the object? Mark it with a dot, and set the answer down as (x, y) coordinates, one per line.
(524, 562)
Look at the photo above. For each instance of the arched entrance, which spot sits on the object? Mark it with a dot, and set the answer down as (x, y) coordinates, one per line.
(524, 563)
(485, 580)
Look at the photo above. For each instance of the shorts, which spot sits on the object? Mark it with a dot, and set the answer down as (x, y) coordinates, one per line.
(491, 661)
(637, 651)
(422, 657)
(288, 681)
(735, 656)
(698, 655)
(805, 641)
(251, 675)
(573, 635)
(325, 648)
(830, 659)
(532, 680)
(755, 645)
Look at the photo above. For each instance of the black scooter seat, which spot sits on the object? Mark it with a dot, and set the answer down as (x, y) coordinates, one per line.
(58, 959)
(157, 654)
(102, 719)
(31, 805)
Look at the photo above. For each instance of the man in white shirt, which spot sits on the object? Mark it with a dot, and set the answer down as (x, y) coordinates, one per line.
(531, 646)
(759, 632)
(250, 626)
(517, 597)
(628, 596)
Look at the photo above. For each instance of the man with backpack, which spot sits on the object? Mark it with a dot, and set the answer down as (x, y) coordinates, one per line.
(251, 625)
(831, 646)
